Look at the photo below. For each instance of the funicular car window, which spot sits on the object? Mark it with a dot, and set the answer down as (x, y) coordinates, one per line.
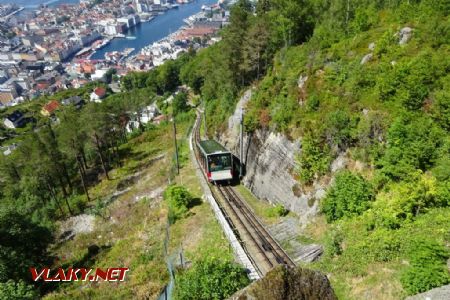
(219, 162)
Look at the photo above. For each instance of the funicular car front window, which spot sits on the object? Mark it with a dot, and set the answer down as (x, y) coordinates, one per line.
(219, 162)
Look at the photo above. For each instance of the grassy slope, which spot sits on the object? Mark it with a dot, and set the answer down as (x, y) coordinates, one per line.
(131, 233)
(264, 210)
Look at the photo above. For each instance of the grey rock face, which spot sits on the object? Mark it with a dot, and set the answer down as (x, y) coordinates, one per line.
(270, 169)
(339, 163)
(286, 233)
(405, 35)
(440, 293)
(271, 166)
(235, 119)
(301, 81)
(366, 58)
(371, 46)
(286, 230)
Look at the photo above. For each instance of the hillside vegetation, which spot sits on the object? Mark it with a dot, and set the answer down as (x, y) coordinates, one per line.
(368, 80)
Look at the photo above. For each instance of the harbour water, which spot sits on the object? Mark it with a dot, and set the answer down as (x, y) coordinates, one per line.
(148, 32)
(140, 36)
(35, 3)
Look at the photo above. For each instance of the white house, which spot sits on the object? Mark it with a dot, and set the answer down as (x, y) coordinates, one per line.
(98, 94)
(98, 75)
(7, 150)
(146, 115)
(14, 120)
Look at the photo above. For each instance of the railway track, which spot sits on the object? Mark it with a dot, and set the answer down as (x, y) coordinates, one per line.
(261, 247)
(267, 241)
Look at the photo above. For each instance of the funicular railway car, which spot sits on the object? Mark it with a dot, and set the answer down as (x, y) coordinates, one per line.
(216, 160)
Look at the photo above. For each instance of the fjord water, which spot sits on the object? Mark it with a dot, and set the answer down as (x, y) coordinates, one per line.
(148, 32)
(36, 3)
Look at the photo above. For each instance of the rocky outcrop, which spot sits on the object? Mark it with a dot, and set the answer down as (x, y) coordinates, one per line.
(439, 293)
(405, 35)
(286, 233)
(235, 119)
(270, 173)
(301, 81)
(366, 58)
(270, 160)
(283, 283)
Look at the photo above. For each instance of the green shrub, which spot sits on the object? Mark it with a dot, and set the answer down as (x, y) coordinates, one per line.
(282, 111)
(135, 133)
(12, 290)
(427, 267)
(278, 211)
(251, 120)
(210, 279)
(77, 203)
(179, 201)
(338, 128)
(179, 103)
(23, 244)
(333, 243)
(386, 82)
(313, 103)
(314, 159)
(441, 106)
(406, 200)
(350, 195)
(442, 169)
(370, 131)
(380, 245)
(364, 19)
(384, 44)
(413, 143)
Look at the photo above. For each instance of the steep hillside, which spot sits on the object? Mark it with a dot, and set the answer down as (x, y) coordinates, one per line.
(347, 125)
(367, 93)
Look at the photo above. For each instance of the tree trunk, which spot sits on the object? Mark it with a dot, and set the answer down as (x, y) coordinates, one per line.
(65, 195)
(68, 206)
(52, 192)
(66, 175)
(80, 164)
(141, 126)
(83, 156)
(118, 155)
(15, 171)
(82, 174)
(124, 135)
(99, 151)
(63, 188)
(258, 66)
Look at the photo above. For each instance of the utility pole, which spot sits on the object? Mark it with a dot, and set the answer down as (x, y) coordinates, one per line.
(175, 143)
(204, 118)
(181, 256)
(241, 144)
